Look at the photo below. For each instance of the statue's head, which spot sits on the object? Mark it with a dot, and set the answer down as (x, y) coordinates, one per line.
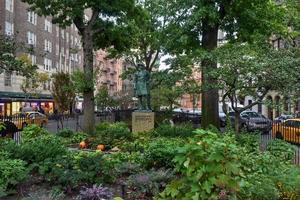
(140, 66)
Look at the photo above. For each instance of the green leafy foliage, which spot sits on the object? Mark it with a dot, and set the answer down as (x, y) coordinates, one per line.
(75, 169)
(112, 134)
(65, 133)
(8, 60)
(166, 130)
(78, 137)
(12, 172)
(160, 153)
(209, 165)
(288, 184)
(103, 99)
(36, 150)
(62, 91)
(282, 150)
(31, 132)
(148, 183)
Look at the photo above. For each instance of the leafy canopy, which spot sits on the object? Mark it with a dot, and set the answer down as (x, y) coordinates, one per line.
(8, 60)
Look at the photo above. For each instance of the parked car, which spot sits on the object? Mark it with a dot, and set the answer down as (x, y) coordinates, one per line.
(231, 117)
(251, 121)
(23, 119)
(288, 130)
(282, 118)
(256, 122)
(182, 116)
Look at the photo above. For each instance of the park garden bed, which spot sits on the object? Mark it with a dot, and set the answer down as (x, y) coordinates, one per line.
(167, 163)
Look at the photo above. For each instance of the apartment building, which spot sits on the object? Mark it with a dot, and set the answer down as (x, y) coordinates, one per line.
(108, 72)
(53, 48)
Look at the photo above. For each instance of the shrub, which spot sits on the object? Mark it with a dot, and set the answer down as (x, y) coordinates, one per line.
(209, 165)
(12, 172)
(41, 148)
(137, 145)
(111, 134)
(61, 171)
(260, 175)
(166, 130)
(95, 193)
(282, 150)
(149, 183)
(78, 137)
(250, 141)
(75, 169)
(128, 168)
(32, 131)
(65, 133)
(288, 184)
(160, 153)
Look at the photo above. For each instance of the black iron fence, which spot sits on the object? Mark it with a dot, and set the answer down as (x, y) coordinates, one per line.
(288, 130)
(11, 126)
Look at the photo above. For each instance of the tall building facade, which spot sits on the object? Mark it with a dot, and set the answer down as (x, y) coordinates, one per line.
(108, 72)
(53, 49)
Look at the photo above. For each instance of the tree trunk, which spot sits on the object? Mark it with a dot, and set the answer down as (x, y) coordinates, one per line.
(210, 95)
(237, 122)
(88, 94)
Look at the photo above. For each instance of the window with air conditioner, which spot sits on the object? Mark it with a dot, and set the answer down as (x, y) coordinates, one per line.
(47, 64)
(9, 28)
(48, 46)
(32, 17)
(31, 38)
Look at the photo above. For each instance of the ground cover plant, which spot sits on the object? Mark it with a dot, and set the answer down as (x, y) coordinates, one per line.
(202, 164)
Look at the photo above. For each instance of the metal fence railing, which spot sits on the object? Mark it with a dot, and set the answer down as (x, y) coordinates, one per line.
(288, 130)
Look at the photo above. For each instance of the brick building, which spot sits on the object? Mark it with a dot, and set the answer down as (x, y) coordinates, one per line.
(108, 72)
(53, 49)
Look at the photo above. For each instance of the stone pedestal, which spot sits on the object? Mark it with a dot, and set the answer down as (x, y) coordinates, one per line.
(142, 121)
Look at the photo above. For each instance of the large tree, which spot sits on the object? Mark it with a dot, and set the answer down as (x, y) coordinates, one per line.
(63, 92)
(147, 37)
(195, 25)
(255, 70)
(98, 30)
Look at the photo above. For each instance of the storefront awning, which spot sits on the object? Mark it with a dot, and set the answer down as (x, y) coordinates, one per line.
(23, 96)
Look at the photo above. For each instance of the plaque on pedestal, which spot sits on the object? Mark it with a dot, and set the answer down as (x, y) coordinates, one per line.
(142, 121)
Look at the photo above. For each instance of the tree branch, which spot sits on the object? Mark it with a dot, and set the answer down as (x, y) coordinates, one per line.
(154, 60)
(78, 21)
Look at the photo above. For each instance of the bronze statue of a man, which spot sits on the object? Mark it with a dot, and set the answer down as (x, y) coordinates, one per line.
(142, 87)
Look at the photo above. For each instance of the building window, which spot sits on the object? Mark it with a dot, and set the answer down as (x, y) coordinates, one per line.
(57, 31)
(32, 17)
(9, 5)
(7, 78)
(48, 46)
(9, 28)
(67, 37)
(32, 58)
(47, 64)
(31, 38)
(63, 34)
(48, 26)
(57, 49)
